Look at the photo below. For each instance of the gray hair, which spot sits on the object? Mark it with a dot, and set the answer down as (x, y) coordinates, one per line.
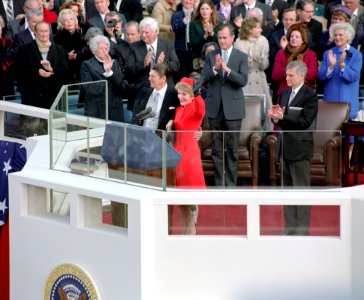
(349, 30)
(299, 66)
(63, 12)
(131, 24)
(27, 2)
(148, 21)
(92, 32)
(99, 39)
(255, 12)
(33, 12)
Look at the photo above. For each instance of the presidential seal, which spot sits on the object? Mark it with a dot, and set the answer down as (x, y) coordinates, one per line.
(68, 281)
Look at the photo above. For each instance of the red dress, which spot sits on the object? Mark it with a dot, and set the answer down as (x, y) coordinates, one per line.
(188, 119)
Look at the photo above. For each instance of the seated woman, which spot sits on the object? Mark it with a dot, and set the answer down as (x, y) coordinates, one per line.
(203, 29)
(256, 46)
(296, 49)
(189, 173)
(340, 68)
(102, 67)
(70, 38)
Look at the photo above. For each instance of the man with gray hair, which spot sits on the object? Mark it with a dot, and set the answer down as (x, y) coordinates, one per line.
(33, 17)
(148, 51)
(20, 24)
(295, 114)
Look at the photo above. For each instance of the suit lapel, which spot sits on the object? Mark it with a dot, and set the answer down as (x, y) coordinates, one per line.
(165, 106)
(297, 99)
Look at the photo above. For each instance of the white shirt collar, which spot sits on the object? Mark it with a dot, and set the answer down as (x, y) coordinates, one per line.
(154, 44)
(249, 6)
(296, 90)
(228, 51)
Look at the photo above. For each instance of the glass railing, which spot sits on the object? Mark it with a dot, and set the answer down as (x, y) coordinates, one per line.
(81, 142)
(21, 124)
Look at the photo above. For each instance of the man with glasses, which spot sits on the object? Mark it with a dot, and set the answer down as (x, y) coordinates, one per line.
(276, 42)
(356, 10)
(305, 10)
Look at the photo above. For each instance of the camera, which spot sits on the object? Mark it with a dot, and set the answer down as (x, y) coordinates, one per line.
(111, 23)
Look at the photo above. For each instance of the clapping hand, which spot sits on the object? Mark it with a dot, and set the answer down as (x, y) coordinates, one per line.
(161, 58)
(283, 42)
(332, 59)
(148, 59)
(277, 112)
(107, 62)
(238, 21)
(218, 62)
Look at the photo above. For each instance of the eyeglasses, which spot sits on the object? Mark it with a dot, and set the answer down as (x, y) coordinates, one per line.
(309, 11)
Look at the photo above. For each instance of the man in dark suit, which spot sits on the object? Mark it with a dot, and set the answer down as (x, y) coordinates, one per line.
(226, 72)
(240, 10)
(145, 94)
(275, 44)
(18, 25)
(277, 7)
(41, 71)
(296, 117)
(305, 10)
(17, 9)
(149, 51)
(119, 49)
(33, 16)
(102, 8)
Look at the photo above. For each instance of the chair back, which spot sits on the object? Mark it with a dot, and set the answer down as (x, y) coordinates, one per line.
(252, 120)
(330, 116)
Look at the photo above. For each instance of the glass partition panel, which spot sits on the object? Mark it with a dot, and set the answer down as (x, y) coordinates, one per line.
(309, 159)
(251, 158)
(72, 132)
(314, 220)
(21, 126)
(207, 220)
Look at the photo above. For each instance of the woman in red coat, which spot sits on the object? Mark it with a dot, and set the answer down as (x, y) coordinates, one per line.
(189, 173)
(295, 47)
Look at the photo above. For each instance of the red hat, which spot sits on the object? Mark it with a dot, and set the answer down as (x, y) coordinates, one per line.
(187, 80)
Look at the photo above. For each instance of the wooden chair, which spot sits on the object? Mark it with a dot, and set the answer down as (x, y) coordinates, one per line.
(326, 161)
(249, 141)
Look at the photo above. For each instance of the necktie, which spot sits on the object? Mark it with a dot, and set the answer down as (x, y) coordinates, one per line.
(225, 58)
(151, 49)
(291, 97)
(154, 102)
(9, 10)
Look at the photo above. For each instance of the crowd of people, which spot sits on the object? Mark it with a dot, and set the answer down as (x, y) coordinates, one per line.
(229, 47)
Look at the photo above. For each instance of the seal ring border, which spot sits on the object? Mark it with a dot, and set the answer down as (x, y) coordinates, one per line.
(75, 270)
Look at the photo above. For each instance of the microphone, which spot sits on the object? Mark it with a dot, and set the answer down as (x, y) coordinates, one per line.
(147, 116)
(197, 86)
(143, 112)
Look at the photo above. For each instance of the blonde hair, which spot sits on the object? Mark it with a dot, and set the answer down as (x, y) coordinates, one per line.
(63, 12)
(184, 87)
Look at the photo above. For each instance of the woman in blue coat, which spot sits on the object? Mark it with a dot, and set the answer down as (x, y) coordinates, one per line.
(340, 68)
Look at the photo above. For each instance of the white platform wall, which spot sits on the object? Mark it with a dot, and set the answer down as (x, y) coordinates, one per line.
(143, 262)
